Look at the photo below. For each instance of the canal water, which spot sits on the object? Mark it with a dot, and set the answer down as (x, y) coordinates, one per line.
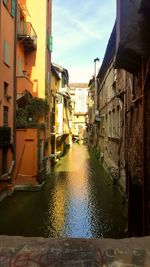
(78, 200)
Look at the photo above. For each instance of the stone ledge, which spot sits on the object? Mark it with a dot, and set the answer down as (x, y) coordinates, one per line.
(31, 252)
(23, 187)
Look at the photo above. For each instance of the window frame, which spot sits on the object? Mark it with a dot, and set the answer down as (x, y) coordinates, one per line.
(5, 115)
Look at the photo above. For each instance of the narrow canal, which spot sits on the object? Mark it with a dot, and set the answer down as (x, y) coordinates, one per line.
(78, 200)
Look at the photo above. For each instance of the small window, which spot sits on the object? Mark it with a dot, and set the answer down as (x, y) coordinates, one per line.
(5, 116)
(6, 52)
(5, 88)
(59, 98)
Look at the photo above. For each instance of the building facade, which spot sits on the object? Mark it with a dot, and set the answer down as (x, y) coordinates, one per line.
(110, 110)
(26, 96)
(79, 93)
(61, 111)
(122, 134)
(133, 55)
(8, 87)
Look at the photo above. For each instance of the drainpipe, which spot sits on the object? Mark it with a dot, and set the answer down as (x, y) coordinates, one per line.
(0, 20)
(14, 94)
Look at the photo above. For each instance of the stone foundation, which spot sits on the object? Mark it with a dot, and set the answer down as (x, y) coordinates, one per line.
(31, 252)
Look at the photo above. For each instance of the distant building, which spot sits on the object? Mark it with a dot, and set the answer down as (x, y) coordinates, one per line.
(61, 120)
(79, 92)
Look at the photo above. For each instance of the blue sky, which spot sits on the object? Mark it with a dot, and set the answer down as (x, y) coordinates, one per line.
(81, 29)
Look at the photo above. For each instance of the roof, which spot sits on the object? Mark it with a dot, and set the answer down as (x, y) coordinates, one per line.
(109, 54)
(55, 72)
(61, 69)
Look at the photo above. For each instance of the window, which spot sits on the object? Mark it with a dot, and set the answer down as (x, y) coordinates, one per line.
(5, 2)
(19, 66)
(5, 88)
(110, 124)
(6, 52)
(118, 122)
(13, 4)
(5, 116)
(50, 45)
(113, 123)
(59, 98)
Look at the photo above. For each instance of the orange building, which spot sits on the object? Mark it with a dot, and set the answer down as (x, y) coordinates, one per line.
(8, 86)
(33, 59)
(25, 52)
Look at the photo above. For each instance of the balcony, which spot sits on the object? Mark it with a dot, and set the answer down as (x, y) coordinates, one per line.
(27, 36)
(24, 84)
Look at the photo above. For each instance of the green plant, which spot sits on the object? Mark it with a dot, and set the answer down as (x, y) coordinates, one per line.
(30, 113)
(21, 118)
(37, 107)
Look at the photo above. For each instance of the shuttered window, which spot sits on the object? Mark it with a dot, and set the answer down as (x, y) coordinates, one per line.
(5, 2)
(5, 116)
(19, 66)
(50, 43)
(6, 53)
(13, 4)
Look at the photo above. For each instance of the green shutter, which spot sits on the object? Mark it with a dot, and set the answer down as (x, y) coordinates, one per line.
(13, 5)
(50, 43)
(19, 66)
(5, 2)
(6, 52)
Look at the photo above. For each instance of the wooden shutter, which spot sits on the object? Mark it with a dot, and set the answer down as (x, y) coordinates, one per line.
(13, 5)
(6, 52)
(5, 2)
(19, 66)
(50, 43)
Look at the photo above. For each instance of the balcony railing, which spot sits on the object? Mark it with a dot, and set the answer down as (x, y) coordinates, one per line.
(27, 35)
(24, 84)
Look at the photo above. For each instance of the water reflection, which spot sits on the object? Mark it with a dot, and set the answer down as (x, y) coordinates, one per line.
(78, 201)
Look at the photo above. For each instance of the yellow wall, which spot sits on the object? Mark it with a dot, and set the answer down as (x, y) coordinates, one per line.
(55, 84)
(38, 12)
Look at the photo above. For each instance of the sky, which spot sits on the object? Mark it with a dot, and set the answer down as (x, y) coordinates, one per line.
(81, 30)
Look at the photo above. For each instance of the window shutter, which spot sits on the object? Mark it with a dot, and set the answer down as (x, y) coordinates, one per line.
(19, 66)
(6, 52)
(5, 2)
(50, 43)
(13, 4)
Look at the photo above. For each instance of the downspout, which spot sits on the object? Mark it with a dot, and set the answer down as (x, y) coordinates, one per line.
(15, 91)
(13, 146)
(143, 142)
